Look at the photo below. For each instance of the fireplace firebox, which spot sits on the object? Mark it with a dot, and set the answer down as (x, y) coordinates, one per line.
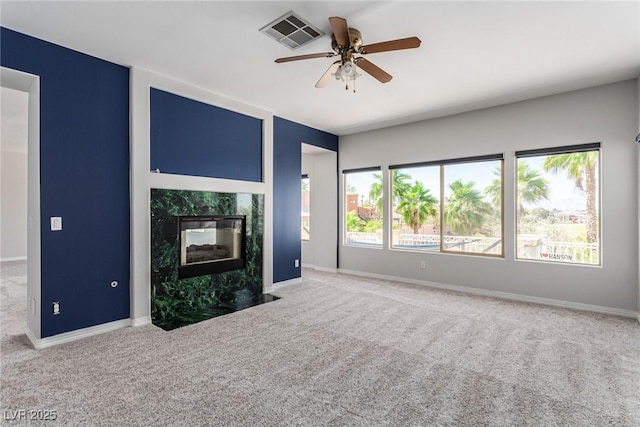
(211, 244)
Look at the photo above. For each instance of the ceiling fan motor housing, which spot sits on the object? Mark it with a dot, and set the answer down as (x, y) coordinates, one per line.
(356, 41)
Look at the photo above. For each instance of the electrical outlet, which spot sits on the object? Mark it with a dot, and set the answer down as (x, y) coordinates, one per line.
(297, 263)
(423, 265)
(56, 307)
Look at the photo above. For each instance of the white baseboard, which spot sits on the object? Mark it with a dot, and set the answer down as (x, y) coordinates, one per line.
(285, 283)
(33, 339)
(320, 268)
(503, 295)
(141, 321)
(67, 337)
(17, 258)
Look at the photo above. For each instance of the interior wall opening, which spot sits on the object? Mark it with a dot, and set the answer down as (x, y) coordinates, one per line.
(318, 210)
(20, 196)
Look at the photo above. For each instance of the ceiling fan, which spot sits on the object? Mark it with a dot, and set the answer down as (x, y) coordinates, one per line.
(347, 43)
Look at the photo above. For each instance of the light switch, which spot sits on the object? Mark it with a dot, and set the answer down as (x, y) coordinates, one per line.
(56, 223)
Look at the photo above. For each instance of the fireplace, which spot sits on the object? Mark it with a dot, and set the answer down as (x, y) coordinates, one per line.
(211, 244)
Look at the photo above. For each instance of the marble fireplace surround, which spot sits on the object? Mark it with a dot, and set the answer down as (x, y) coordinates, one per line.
(178, 302)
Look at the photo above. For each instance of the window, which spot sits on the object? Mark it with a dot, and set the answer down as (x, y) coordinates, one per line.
(305, 211)
(416, 208)
(558, 204)
(472, 207)
(363, 207)
(449, 206)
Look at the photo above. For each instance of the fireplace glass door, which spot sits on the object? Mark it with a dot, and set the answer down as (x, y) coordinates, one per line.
(211, 244)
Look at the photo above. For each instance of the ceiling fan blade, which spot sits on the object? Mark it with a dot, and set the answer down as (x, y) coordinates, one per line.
(327, 76)
(375, 71)
(408, 43)
(309, 56)
(340, 30)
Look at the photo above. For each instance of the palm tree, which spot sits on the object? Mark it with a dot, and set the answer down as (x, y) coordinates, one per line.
(416, 205)
(581, 168)
(466, 210)
(532, 188)
(398, 185)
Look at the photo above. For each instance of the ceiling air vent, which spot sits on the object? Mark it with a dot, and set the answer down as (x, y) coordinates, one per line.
(291, 30)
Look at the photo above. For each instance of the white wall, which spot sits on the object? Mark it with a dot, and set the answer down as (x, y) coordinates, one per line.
(320, 250)
(13, 171)
(606, 114)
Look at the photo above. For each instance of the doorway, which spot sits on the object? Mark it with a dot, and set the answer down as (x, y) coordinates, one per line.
(20, 194)
(319, 195)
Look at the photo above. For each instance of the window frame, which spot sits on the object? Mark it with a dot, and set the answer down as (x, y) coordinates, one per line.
(549, 151)
(345, 172)
(441, 164)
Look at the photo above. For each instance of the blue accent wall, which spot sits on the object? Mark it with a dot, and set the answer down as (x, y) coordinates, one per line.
(193, 138)
(287, 170)
(84, 178)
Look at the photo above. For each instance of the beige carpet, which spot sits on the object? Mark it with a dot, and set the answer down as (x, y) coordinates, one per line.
(338, 350)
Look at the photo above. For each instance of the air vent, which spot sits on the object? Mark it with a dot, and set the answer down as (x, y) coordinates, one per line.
(291, 31)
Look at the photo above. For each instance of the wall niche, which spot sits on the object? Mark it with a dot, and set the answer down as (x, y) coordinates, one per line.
(178, 302)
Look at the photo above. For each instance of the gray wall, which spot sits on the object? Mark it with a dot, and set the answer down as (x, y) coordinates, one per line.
(320, 250)
(606, 114)
(14, 205)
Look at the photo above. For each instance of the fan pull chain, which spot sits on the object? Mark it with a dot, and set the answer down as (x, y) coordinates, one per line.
(355, 75)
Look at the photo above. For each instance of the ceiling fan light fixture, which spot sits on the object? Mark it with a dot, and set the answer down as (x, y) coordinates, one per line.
(338, 73)
(347, 71)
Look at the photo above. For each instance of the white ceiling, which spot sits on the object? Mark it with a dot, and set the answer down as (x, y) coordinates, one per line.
(474, 54)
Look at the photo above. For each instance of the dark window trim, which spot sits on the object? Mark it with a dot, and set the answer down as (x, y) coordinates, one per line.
(371, 169)
(559, 150)
(499, 156)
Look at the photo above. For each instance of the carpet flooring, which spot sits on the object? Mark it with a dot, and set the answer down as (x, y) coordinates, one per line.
(336, 350)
